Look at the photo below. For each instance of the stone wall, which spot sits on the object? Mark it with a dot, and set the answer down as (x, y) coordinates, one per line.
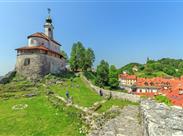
(40, 65)
(161, 120)
(117, 95)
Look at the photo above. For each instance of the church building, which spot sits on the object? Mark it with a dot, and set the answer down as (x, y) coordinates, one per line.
(42, 55)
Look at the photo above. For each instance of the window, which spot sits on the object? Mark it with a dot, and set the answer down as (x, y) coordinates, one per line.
(32, 41)
(26, 61)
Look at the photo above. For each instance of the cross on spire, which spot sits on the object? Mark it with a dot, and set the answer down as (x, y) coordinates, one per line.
(49, 10)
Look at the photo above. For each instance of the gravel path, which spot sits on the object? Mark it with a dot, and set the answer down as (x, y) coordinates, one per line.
(126, 124)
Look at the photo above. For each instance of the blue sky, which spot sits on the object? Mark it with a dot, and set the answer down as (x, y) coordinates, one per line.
(118, 31)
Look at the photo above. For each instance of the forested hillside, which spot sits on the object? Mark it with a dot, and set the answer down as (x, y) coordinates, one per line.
(154, 68)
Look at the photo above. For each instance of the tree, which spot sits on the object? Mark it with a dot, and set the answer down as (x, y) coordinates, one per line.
(80, 50)
(64, 54)
(113, 77)
(77, 56)
(102, 73)
(169, 70)
(148, 70)
(73, 58)
(89, 59)
(81, 58)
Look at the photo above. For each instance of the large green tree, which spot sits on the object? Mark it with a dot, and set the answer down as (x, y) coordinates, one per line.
(73, 58)
(113, 77)
(80, 50)
(77, 56)
(89, 59)
(81, 58)
(102, 74)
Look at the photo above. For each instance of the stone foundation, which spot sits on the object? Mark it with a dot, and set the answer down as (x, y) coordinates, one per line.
(39, 65)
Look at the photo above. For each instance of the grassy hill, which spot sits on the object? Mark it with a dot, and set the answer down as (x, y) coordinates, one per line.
(26, 109)
(154, 68)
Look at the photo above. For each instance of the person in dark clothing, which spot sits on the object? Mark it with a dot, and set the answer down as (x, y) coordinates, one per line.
(110, 95)
(101, 93)
(67, 94)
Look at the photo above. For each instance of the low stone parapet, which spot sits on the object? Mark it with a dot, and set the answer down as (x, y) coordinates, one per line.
(116, 95)
(161, 120)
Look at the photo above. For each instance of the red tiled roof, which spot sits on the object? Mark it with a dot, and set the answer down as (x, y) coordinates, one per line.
(42, 35)
(40, 47)
(169, 87)
(126, 76)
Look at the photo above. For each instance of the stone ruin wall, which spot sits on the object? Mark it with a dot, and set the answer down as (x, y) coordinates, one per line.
(157, 119)
(161, 120)
(39, 66)
(115, 94)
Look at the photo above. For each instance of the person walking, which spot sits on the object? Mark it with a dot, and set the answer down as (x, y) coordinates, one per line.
(67, 94)
(110, 95)
(100, 92)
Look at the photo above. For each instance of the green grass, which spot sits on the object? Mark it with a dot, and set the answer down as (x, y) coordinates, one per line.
(16, 89)
(115, 102)
(90, 75)
(154, 74)
(163, 99)
(40, 118)
(82, 94)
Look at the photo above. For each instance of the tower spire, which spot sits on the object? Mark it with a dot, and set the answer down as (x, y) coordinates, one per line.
(48, 27)
(49, 10)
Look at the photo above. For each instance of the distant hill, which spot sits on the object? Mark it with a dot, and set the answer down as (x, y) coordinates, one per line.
(154, 68)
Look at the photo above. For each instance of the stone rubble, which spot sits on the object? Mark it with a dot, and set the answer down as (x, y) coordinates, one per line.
(125, 124)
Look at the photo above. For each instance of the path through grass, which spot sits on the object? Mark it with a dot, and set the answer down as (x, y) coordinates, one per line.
(82, 94)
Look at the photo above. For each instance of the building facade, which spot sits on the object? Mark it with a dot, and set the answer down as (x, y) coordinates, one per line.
(42, 54)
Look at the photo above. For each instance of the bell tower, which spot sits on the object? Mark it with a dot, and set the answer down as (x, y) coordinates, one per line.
(48, 27)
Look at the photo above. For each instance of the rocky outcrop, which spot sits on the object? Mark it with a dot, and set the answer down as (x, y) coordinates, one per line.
(7, 78)
(161, 120)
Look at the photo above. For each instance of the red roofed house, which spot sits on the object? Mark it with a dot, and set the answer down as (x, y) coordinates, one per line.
(172, 88)
(42, 54)
(126, 81)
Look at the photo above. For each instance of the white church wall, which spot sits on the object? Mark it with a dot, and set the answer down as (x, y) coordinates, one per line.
(36, 41)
